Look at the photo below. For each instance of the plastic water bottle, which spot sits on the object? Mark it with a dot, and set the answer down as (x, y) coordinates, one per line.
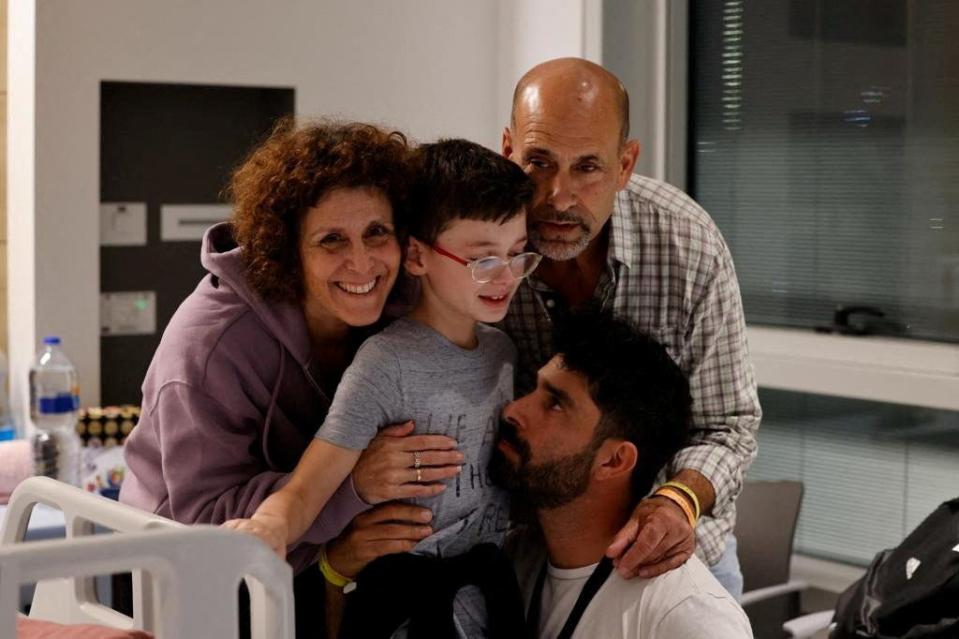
(7, 429)
(54, 401)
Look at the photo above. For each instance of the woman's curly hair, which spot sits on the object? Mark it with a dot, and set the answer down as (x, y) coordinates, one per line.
(289, 173)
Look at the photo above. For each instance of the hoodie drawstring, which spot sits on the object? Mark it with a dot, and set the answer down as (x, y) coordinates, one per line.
(269, 412)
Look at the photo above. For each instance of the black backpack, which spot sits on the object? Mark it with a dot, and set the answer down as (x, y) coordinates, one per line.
(911, 590)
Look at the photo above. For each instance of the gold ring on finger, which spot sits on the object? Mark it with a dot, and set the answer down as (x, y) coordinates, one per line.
(419, 474)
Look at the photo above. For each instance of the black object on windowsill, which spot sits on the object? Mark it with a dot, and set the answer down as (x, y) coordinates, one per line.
(861, 320)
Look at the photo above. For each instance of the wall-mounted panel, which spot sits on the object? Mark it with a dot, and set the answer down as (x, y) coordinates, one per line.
(171, 147)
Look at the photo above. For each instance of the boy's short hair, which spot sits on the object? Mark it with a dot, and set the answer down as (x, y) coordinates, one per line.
(461, 180)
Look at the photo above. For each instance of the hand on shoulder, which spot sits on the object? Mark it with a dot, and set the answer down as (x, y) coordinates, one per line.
(657, 538)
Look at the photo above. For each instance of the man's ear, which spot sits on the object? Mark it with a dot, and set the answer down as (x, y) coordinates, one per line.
(616, 458)
(627, 161)
(507, 143)
(413, 262)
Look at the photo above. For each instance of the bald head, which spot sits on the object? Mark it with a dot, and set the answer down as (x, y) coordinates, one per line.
(588, 84)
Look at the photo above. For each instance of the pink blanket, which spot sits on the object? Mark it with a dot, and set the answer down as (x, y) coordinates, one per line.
(16, 464)
(37, 629)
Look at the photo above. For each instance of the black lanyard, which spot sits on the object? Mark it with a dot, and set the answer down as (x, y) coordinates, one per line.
(593, 584)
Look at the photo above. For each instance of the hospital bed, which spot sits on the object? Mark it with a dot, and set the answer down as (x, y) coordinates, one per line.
(185, 578)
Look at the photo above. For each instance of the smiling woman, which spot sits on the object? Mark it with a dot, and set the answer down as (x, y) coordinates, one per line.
(350, 258)
(309, 186)
(245, 369)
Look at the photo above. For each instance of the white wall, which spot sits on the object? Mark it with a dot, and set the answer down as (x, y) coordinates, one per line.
(532, 31)
(644, 43)
(429, 67)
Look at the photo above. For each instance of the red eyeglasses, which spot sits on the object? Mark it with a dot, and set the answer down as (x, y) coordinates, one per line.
(487, 269)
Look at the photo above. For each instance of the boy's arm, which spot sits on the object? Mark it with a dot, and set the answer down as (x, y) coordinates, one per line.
(365, 399)
(287, 514)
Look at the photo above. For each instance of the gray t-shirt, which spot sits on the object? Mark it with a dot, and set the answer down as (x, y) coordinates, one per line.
(409, 371)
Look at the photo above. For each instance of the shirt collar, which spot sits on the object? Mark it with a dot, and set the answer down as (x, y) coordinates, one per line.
(622, 232)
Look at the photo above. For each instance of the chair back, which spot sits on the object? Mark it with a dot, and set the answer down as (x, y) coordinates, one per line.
(766, 516)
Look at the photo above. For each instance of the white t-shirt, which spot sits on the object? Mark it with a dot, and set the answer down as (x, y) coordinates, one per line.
(685, 603)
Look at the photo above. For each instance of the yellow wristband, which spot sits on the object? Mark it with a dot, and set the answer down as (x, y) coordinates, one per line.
(689, 492)
(330, 573)
(677, 498)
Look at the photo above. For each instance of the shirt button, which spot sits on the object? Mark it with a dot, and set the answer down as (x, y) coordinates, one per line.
(550, 303)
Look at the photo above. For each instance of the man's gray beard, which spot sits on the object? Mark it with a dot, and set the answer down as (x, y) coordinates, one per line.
(559, 251)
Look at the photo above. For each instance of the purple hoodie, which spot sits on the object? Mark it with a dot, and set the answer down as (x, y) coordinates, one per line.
(230, 402)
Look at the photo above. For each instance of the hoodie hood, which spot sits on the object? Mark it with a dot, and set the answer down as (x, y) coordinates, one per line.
(226, 412)
(223, 258)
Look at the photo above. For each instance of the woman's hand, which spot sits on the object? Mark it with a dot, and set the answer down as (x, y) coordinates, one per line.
(397, 465)
(384, 530)
(271, 530)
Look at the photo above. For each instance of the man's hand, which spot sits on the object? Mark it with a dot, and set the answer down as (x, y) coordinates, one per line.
(656, 539)
(384, 530)
(387, 469)
(271, 530)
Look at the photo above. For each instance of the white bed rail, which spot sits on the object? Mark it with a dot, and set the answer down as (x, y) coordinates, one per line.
(185, 577)
(72, 599)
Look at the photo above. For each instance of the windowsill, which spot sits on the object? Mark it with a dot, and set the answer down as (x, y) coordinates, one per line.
(829, 576)
(880, 369)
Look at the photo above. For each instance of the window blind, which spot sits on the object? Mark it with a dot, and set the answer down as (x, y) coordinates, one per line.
(872, 472)
(824, 141)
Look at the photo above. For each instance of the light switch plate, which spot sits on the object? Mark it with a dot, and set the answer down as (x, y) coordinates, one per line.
(128, 313)
(123, 224)
(188, 222)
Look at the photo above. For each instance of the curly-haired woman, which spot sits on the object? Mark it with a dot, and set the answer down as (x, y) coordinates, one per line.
(245, 369)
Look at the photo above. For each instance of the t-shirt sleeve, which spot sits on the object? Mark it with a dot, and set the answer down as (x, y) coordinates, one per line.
(367, 399)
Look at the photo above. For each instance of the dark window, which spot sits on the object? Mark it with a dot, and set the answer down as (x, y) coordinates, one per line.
(824, 141)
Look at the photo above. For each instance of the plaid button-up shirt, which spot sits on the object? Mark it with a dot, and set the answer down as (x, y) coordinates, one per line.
(669, 272)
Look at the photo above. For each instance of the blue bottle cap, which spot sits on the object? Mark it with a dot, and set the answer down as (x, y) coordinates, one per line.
(51, 340)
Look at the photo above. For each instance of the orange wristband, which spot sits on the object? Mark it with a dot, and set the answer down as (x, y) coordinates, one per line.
(689, 492)
(680, 500)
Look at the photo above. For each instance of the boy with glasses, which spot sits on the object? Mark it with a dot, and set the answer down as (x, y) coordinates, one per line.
(442, 367)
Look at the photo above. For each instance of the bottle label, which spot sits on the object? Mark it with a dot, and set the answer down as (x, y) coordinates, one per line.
(61, 403)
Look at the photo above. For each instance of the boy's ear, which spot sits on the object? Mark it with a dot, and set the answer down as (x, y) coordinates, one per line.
(413, 262)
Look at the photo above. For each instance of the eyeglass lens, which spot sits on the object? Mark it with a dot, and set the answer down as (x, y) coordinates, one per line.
(490, 268)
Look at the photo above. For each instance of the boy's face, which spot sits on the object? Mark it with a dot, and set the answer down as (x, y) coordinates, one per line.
(450, 285)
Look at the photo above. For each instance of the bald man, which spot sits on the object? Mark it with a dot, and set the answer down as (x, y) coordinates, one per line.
(647, 252)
